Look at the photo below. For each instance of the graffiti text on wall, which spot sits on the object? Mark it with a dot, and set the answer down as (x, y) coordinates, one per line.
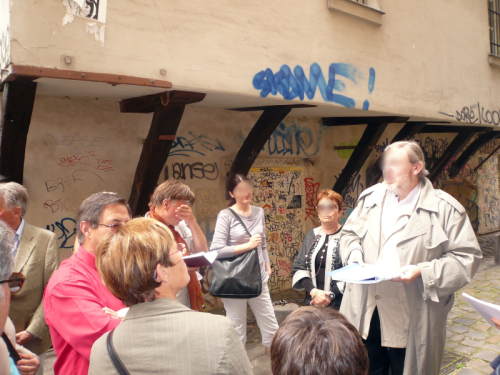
(295, 84)
(476, 114)
(76, 140)
(294, 140)
(192, 171)
(194, 145)
(65, 230)
(312, 189)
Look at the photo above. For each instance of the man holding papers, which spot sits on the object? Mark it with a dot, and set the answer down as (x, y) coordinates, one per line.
(424, 239)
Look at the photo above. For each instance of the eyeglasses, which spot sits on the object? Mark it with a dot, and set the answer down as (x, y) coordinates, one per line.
(181, 248)
(15, 282)
(113, 227)
(326, 207)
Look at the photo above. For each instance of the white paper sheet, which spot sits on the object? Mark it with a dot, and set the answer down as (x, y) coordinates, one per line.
(367, 274)
(486, 309)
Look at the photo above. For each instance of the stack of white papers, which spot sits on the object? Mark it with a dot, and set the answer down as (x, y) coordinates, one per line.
(366, 274)
(486, 309)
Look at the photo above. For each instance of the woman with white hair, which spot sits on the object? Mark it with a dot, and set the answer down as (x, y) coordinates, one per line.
(27, 362)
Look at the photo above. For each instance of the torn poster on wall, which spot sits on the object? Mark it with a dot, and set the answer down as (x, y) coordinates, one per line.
(93, 9)
(279, 191)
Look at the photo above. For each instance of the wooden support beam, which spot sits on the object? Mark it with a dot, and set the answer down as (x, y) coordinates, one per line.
(453, 129)
(469, 152)
(370, 137)
(342, 121)
(408, 131)
(17, 106)
(458, 143)
(257, 138)
(262, 108)
(166, 119)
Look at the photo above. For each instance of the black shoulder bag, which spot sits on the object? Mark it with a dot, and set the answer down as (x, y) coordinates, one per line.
(238, 276)
(119, 366)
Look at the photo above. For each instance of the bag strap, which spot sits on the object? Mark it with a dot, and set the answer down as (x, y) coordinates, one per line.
(241, 221)
(119, 366)
(12, 351)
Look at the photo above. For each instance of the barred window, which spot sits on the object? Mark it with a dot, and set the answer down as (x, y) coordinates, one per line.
(494, 13)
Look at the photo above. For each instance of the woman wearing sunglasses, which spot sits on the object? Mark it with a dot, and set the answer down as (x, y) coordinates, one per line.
(14, 359)
(319, 255)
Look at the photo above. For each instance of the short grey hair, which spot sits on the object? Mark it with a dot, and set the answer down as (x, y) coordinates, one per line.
(91, 210)
(6, 256)
(14, 195)
(415, 154)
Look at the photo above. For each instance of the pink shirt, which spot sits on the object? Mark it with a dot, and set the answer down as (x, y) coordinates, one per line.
(73, 302)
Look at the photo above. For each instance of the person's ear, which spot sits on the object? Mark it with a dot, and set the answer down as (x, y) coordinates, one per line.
(231, 195)
(417, 168)
(162, 274)
(166, 204)
(17, 211)
(85, 228)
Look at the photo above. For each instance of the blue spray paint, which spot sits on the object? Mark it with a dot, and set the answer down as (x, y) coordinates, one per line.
(293, 140)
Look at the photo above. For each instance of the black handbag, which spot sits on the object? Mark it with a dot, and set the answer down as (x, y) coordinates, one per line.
(238, 276)
(117, 362)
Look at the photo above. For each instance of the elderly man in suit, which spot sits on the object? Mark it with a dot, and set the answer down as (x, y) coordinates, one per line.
(36, 258)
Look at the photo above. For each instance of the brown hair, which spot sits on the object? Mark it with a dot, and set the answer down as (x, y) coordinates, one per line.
(127, 259)
(333, 196)
(317, 341)
(234, 181)
(172, 190)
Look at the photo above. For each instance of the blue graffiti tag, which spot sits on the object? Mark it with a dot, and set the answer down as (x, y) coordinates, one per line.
(292, 85)
(192, 144)
(281, 142)
(66, 233)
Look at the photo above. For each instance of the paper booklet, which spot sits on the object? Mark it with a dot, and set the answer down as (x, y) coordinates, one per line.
(367, 274)
(486, 309)
(200, 259)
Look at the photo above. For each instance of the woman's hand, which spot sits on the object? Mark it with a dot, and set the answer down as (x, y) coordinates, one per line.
(268, 269)
(111, 313)
(496, 322)
(320, 298)
(255, 241)
(29, 363)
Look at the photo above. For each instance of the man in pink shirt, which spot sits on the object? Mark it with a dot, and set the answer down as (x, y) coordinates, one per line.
(75, 297)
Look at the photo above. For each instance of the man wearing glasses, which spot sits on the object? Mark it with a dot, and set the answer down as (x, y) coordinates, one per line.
(75, 298)
(36, 255)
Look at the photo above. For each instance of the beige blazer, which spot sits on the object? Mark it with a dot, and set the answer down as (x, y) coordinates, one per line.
(165, 337)
(37, 258)
(439, 239)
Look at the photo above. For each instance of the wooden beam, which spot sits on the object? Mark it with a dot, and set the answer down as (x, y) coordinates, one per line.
(257, 138)
(408, 131)
(370, 137)
(17, 106)
(342, 121)
(148, 103)
(453, 129)
(15, 72)
(166, 120)
(469, 152)
(262, 108)
(458, 143)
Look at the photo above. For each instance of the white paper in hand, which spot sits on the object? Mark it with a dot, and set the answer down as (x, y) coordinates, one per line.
(367, 274)
(486, 309)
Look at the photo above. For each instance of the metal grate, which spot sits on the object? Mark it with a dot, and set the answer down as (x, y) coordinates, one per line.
(494, 12)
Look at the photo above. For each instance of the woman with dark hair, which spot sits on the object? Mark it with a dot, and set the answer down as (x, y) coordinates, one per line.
(317, 341)
(230, 239)
(320, 254)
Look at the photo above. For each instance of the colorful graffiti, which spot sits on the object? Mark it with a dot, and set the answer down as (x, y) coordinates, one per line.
(312, 189)
(292, 85)
(294, 140)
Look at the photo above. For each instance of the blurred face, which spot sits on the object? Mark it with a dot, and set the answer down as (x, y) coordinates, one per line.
(167, 211)
(242, 193)
(177, 273)
(112, 217)
(328, 211)
(11, 216)
(399, 174)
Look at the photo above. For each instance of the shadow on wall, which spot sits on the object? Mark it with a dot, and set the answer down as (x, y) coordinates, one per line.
(466, 193)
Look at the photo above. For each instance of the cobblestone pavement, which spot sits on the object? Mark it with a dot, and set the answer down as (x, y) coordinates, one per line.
(468, 333)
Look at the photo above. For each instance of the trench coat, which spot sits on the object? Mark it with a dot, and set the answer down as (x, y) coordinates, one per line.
(439, 239)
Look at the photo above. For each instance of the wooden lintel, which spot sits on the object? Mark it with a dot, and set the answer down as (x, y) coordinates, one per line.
(16, 72)
(370, 137)
(262, 108)
(453, 128)
(342, 121)
(148, 103)
(17, 106)
(257, 138)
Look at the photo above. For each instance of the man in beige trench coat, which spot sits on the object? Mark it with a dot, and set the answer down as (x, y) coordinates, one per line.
(424, 236)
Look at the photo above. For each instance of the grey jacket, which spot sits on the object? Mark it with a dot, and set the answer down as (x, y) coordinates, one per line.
(439, 239)
(165, 337)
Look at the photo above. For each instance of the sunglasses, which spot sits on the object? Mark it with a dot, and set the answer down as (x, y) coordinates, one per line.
(15, 282)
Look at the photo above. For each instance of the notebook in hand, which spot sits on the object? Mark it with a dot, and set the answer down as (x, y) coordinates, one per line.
(200, 259)
(366, 274)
